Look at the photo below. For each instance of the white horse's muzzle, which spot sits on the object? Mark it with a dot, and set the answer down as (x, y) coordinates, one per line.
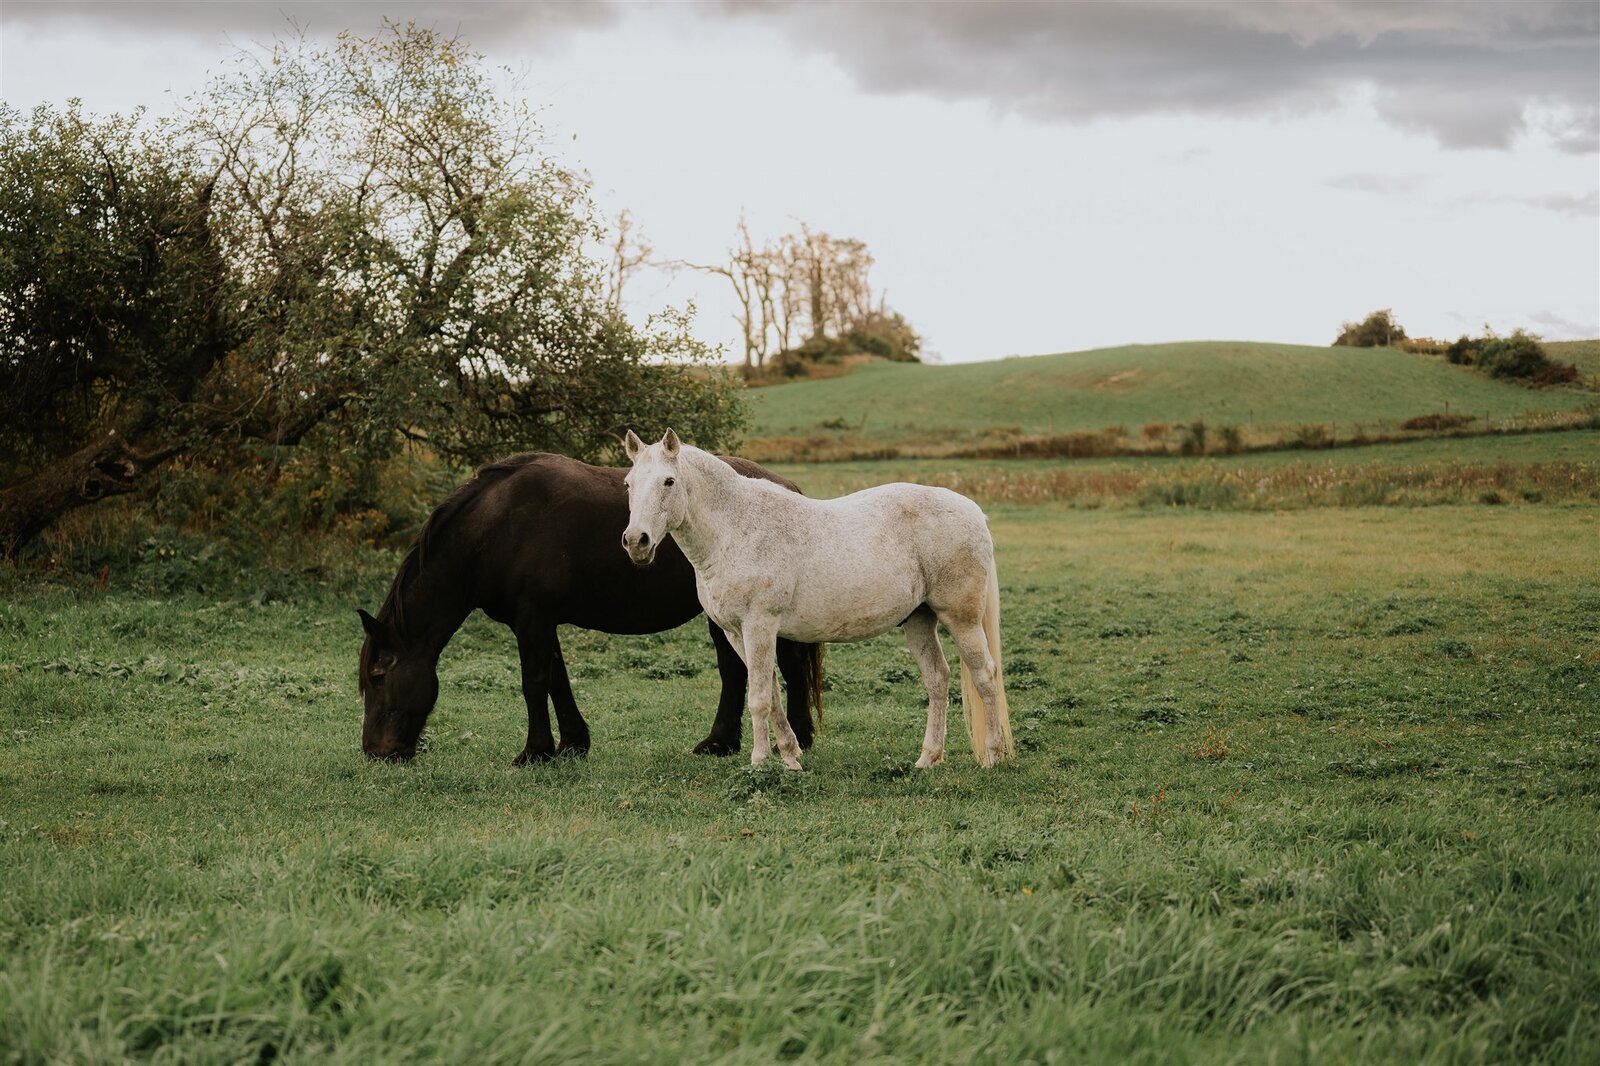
(640, 548)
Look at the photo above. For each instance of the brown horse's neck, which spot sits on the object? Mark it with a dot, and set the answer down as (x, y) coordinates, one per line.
(427, 603)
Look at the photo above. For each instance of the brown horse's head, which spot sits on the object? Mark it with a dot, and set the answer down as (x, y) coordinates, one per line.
(399, 686)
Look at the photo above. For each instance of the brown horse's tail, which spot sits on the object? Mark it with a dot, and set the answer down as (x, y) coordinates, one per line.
(813, 654)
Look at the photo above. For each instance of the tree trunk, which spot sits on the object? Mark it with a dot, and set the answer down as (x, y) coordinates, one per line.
(108, 467)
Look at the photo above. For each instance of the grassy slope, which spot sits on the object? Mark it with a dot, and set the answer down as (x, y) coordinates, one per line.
(1585, 355)
(1316, 786)
(1220, 381)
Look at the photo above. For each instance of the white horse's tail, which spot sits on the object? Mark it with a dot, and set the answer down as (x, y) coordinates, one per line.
(977, 713)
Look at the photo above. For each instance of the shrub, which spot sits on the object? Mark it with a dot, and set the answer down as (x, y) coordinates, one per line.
(1155, 430)
(1230, 439)
(1377, 330)
(1555, 374)
(1464, 352)
(887, 334)
(1518, 356)
(816, 350)
(1194, 438)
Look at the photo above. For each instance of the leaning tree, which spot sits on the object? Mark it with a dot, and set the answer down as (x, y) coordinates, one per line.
(360, 240)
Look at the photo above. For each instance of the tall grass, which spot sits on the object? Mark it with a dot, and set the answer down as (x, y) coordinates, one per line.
(1193, 438)
(1216, 484)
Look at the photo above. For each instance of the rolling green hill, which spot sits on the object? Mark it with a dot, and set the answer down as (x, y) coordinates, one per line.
(1585, 355)
(1224, 382)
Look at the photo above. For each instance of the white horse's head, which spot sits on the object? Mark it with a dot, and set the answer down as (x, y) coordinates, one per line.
(656, 500)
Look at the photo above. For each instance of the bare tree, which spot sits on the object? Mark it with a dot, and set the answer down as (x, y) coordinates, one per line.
(745, 273)
(629, 251)
(807, 284)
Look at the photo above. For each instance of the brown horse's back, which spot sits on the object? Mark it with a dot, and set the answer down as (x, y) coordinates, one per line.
(549, 533)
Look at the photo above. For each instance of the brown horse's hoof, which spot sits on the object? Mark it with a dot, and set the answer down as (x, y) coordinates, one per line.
(714, 745)
(530, 758)
(572, 751)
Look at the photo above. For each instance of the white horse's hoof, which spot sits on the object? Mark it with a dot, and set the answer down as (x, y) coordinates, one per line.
(791, 763)
(930, 758)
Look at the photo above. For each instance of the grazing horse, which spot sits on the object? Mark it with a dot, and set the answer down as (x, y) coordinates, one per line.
(770, 564)
(531, 541)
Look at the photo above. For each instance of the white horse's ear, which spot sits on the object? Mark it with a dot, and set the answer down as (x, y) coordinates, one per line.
(632, 445)
(670, 443)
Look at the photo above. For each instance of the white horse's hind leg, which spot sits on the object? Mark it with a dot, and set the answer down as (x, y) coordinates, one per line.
(979, 664)
(761, 661)
(922, 637)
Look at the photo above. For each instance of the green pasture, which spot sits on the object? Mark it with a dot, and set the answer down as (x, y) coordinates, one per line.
(1312, 786)
(1240, 383)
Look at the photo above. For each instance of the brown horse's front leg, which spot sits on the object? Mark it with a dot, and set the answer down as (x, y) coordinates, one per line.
(536, 644)
(726, 727)
(794, 663)
(574, 730)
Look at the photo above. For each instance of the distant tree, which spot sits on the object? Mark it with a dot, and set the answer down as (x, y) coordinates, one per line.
(746, 270)
(1377, 330)
(116, 306)
(629, 251)
(357, 241)
(813, 284)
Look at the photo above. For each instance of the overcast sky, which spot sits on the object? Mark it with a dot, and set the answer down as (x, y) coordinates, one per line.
(1032, 177)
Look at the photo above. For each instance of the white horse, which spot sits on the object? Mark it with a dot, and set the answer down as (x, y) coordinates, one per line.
(771, 563)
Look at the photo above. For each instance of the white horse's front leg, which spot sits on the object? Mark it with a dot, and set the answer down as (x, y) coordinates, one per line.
(761, 660)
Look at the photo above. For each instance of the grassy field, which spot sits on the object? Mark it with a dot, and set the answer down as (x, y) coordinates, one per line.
(1250, 385)
(1312, 786)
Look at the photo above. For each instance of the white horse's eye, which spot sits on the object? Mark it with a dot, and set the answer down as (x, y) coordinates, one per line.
(670, 482)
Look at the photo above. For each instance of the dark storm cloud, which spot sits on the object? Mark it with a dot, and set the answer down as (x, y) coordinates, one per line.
(1462, 72)
(484, 24)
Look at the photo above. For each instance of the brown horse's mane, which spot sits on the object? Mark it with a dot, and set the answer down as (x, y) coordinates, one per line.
(393, 610)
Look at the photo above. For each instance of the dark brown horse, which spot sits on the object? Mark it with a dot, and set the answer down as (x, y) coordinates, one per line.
(535, 541)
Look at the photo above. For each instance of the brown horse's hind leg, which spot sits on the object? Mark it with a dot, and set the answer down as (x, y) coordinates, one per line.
(574, 730)
(794, 663)
(536, 644)
(725, 729)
